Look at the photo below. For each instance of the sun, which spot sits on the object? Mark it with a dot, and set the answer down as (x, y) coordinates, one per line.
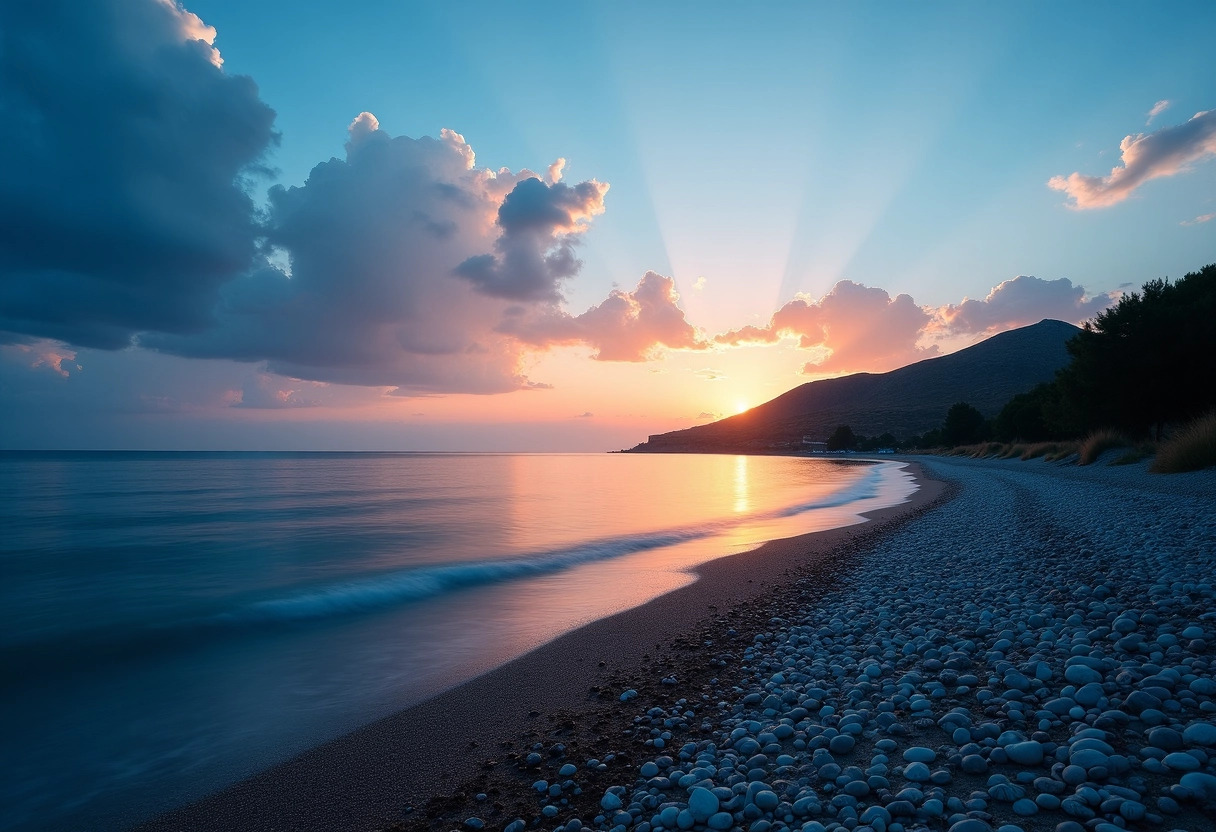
(740, 407)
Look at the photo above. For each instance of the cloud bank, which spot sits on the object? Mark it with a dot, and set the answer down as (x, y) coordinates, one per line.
(627, 326)
(1022, 301)
(853, 328)
(126, 150)
(380, 291)
(1164, 152)
(125, 217)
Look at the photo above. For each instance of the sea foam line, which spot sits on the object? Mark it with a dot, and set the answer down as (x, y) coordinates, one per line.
(419, 583)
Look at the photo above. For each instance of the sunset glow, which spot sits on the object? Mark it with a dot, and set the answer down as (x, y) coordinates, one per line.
(403, 245)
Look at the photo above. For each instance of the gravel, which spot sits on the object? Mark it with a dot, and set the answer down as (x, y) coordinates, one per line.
(1038, 654)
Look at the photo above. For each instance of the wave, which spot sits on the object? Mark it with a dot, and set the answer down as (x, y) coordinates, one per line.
(419, 583)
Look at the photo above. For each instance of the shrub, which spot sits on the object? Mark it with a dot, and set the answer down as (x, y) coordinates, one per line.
(1192, 449)
(1098, 443)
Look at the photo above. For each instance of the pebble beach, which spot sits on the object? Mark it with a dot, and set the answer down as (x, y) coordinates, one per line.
(1031, 647)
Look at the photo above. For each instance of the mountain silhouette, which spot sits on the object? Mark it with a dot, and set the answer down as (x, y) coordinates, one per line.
(903, 402)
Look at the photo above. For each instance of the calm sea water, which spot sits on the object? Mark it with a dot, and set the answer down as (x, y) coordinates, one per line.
(170, 623)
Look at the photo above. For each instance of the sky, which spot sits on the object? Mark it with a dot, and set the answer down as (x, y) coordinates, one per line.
(561, 227)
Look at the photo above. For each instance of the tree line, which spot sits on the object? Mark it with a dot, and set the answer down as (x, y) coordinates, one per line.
(1144, 364)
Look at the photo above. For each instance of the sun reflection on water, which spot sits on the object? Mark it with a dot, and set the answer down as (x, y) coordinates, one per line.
(742, 496)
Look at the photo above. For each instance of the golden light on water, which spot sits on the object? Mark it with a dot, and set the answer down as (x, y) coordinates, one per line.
(742, 495)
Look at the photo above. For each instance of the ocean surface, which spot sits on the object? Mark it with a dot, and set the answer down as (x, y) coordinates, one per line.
(173, 622)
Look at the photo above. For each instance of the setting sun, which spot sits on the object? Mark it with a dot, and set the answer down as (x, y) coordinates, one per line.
(740, 407)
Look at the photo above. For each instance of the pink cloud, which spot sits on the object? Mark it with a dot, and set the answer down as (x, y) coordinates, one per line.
(44, 354)
(1022, 301)
(627, 326)
(1164, 152)
(405, 257)
(858, 328)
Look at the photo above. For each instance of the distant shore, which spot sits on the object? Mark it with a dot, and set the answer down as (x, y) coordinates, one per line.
(370, 778)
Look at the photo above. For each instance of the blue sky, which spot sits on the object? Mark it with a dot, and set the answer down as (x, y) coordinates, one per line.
(911, 142)
(753, 153)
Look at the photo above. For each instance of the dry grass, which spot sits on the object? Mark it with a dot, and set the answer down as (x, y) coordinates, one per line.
(1046, 449)
(1192, 449)
(1097, 443)
(1013, 450)
(1064, 451)
(1050, 451)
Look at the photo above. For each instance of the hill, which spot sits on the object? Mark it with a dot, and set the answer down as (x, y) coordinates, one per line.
(903, 402)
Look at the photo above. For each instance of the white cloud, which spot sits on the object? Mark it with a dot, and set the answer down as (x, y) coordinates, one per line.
(1022, 301)
(1199, 220)
(1165, 152)
(1158, 108)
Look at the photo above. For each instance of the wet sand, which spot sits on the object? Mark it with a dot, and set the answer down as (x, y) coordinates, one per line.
(423, 767)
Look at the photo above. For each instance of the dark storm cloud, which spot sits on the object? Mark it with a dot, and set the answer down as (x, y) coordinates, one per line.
(374, 243)
(123, 144)
(536, 249)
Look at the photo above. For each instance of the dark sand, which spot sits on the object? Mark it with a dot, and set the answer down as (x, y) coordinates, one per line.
(422, 767)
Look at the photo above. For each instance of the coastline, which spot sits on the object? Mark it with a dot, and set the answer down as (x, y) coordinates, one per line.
(423, 764)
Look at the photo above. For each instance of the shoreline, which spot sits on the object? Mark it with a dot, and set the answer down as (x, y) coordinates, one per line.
(418, 766)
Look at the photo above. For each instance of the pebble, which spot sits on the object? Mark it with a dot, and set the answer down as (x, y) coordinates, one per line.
(1029, 753)
(979, 643)
(1200, 733)
(702, 803)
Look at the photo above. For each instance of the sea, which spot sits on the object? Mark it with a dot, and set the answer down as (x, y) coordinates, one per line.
(171, 623)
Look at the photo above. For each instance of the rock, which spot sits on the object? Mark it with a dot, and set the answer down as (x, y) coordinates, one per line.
(974, 764)
(1202, 785)
(919, 754)
(1180, 761)
(1166, 739)
(1025, 807)
(841, 744)
(1029, 753)
(970, 825)
(917, 773)
(1089, 695)
(1088, 758)
(1079, 674)
(702, 803)
(1199, 733)
(610, 802)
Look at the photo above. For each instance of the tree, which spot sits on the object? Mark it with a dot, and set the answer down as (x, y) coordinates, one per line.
(1149, 359)
(1041, 415)
(842, 439)
(930, 439)
(964, 425)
